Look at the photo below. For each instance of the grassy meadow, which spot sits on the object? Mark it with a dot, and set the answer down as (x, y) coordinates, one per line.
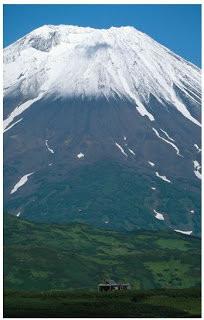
(53, 270)
(159, 303)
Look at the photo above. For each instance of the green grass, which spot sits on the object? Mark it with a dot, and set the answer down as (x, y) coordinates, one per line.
(166, 303)
(66, 256)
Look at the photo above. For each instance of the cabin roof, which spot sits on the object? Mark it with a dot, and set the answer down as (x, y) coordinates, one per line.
(109, 281)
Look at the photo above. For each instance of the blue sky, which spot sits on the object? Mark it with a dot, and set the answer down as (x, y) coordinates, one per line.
(177, 27)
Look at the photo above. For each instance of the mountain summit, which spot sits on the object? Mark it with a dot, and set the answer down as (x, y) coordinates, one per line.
(68, 61)
(112, 103)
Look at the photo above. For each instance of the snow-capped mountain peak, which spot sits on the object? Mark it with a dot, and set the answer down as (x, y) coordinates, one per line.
(73, 61)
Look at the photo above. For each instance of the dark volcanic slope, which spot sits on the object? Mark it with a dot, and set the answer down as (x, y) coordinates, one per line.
(58, 189)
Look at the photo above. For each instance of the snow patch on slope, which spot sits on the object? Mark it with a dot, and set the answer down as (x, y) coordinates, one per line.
(131, 151)
(139, 106)
(121, 149)
(197, 147)
(159, 215)
(18, 110)
(163, 177)
(21, 182)
(197, 167)
(172, 144)
(184, 232)
(80, 155)
(151, 163)
(167, 135)
(182, 109)
(8, 128)
(49, 149)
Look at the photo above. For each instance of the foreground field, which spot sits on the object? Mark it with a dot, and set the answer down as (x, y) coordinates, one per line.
(160, 303)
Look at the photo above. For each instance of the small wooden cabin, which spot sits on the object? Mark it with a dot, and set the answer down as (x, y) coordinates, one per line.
(111, 285)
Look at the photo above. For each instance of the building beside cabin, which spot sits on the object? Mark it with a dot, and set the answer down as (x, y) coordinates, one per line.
(111, 285)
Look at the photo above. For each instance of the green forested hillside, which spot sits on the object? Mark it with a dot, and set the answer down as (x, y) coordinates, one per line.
(107, 192)
(67, 256)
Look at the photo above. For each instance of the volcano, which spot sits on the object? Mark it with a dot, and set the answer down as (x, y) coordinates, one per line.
(103, 127)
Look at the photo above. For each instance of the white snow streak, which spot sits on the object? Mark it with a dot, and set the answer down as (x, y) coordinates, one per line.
(80, 155)
(8, 128)
(167, 135)
(159, 215)
(197, 147)
(131, 151)
(191, 97)
(139, 106)
(163, 177)
(151, 163)
(121, 149)
(52, 151)
(197, 167)
(181, 108)
(172, 144)
(21, 182)
(18, 110)
(184, 232)
(198, 175)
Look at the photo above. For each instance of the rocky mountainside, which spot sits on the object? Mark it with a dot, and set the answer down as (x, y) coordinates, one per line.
(101, 127)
